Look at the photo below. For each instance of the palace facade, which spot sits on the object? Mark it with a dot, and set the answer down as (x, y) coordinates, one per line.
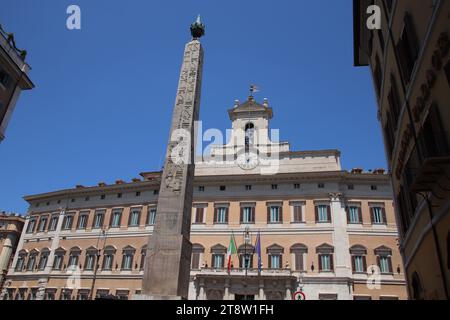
(327, 232)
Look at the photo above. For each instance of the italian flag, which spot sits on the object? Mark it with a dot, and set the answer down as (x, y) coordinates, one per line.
(231, 250)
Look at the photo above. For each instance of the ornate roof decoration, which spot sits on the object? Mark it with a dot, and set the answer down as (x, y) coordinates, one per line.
(197, 28)
(12, 42)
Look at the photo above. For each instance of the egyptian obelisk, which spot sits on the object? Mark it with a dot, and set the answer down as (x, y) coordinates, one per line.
(167, 266)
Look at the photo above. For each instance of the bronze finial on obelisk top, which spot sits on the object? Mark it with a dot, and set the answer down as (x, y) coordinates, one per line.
(168, 257)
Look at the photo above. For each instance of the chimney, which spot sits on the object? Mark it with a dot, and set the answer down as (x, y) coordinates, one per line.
(102, 184)
(357, 170)
(120, 182)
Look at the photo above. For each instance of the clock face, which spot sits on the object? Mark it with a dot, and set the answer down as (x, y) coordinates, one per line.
(248, 160)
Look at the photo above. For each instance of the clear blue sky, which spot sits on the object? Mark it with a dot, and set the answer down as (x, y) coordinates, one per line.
(104, 95)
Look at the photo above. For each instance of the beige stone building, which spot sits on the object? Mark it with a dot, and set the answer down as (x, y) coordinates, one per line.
(10, 230)
(325, 231)
(410, 62)
(13, 77)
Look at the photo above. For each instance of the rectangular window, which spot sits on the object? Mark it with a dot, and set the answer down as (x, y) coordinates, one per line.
(116, 218)
(248, 187)
(218, 261)
(201, 189)
(31, 225)
(325, 262)
(135, 215)
(42, 224)
(20, 263)
(274, 187)
(31, 263)
(107, 262)
(127, 262)
(67, 224)
(296, 185)
(89, 263)
(354, 215)
(43, 262)
(350, 187)
(378, 215)
(358, 264)
(320, 185)
(298, 215)
(222, 188)
(323, 214)
(221, 215)
(151, 216)
(247, 215)
(53, 223)
(299, 265)
(57, 262)
(199, 215)
(385, 264)
(73, 260)
(274, 214)
(82, 221)
(98, 220)
(275, 261)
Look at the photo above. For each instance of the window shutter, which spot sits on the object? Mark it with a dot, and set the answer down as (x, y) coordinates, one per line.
(378, 262)
(226, 215)
(212, 261)
(268, 215)
(347, 210)
(316, 212)
(281, 261)
(331, 262)
(270, 261)
(252, 215)
(364, 264)
(383, 212)
(281, 214)
(353, 264)
(328, 213)
(371, 215)
(195, 260)
(242, 214)
(320, 262)
(215, 214)
(360, 215)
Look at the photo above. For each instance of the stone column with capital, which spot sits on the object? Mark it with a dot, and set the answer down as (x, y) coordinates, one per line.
(167, 267)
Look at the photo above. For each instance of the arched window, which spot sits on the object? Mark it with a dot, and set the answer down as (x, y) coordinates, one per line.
(128, 257)
(358, 253)
(90, 259)
(384, 259)
(44, 258)
(74, 257)
(32, 260)
(325, 255)
(20, 264)
(218, 256)
(275, 255)
(299, 250)
(59, 258)
(245, 253)
(108, 258)
(416, 287)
